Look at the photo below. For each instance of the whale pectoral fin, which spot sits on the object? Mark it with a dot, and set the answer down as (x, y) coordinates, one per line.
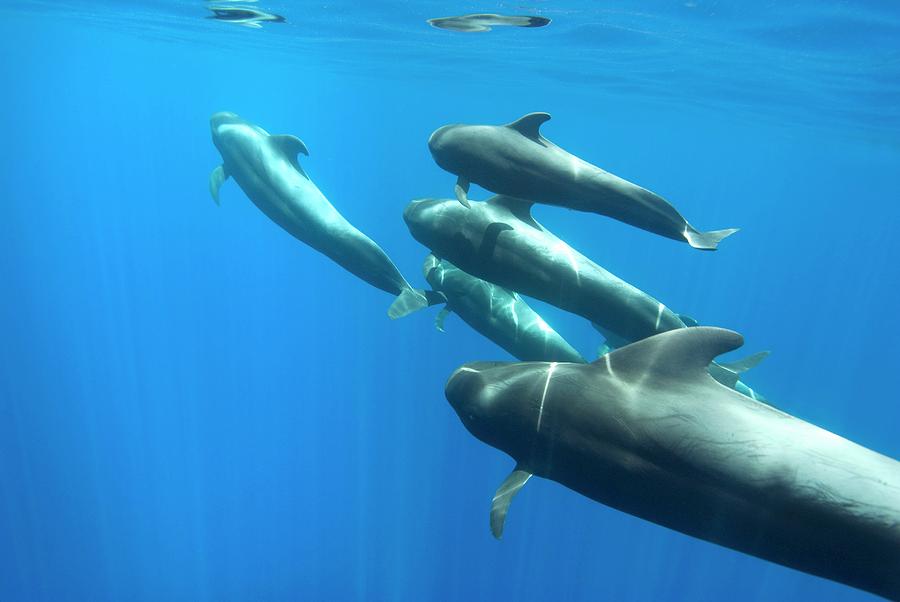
(439, 319)
(462, 189)
(503, 498)
(530, 125)
(216, 179)
(251, 25)
(706, 241)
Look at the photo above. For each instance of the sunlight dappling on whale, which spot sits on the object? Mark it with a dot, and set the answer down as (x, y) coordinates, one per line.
(204, 400)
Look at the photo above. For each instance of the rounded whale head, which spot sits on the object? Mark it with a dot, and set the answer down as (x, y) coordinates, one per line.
(225, 125)
(421, 218)
(487, 398)
(447, 145)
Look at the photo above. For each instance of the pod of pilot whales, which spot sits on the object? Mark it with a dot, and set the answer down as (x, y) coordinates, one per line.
(654, 427)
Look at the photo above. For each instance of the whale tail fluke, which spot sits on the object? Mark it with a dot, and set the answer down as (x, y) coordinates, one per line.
(707, 241)
(747, 363)
(412, 300)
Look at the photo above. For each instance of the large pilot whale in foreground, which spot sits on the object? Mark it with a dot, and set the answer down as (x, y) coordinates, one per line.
(645, 430)
(267, 169)
(499, 314)
(516, 160)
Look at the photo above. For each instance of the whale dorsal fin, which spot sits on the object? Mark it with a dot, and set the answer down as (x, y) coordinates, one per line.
(530, 125)
(503, 497)
(290, 147)
(680, 354)
(520, 208)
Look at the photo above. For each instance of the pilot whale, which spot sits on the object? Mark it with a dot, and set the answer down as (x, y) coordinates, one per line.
(516, 160)
(645, 430)
(497, 313)
(267, 170)
(499, 241)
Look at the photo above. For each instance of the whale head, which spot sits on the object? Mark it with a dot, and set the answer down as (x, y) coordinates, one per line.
(230, 132)
(450, 146)
(423, 217)
(491, 400)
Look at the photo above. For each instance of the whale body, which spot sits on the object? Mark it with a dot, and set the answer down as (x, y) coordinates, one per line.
(516, 160)
(646, 430)
(499, 314)
(267, 170)
(498, 240)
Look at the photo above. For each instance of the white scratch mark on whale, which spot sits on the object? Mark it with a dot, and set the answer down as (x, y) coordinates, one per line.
(544, 395)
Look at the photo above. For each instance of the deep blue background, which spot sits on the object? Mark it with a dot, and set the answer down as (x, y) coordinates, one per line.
(194, 406)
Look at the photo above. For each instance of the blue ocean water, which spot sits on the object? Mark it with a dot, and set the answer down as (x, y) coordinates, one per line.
(195, 406)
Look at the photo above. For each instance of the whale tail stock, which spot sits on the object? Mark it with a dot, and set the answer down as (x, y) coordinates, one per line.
(706, 241)
(411, 300)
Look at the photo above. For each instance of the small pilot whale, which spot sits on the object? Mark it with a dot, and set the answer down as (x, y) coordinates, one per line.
(516, 160)
(645, 430)
(267, 169)
(499, 314)
(484, 22)
(243, 15)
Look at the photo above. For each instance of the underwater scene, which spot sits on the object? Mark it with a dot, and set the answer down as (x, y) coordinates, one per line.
(408, 301)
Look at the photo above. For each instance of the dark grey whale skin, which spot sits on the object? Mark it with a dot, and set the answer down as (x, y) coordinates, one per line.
(647, 431)
(499, 314)
(490, 240)
(516, 160)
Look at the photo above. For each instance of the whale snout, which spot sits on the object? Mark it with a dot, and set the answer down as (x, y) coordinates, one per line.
(417, 213)
(223, 118)
(467, 392)
(438, 139)
(442, 144)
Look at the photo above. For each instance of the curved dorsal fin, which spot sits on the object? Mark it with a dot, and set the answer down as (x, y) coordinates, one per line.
(680, 354)
(530, 125)
(520, 208)
(290, 147)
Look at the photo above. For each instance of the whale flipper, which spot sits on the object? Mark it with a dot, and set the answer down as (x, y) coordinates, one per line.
(216, 179)
(462, 189)
(530, 125)
(706, 241)
(439, 319)
(503, 497)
